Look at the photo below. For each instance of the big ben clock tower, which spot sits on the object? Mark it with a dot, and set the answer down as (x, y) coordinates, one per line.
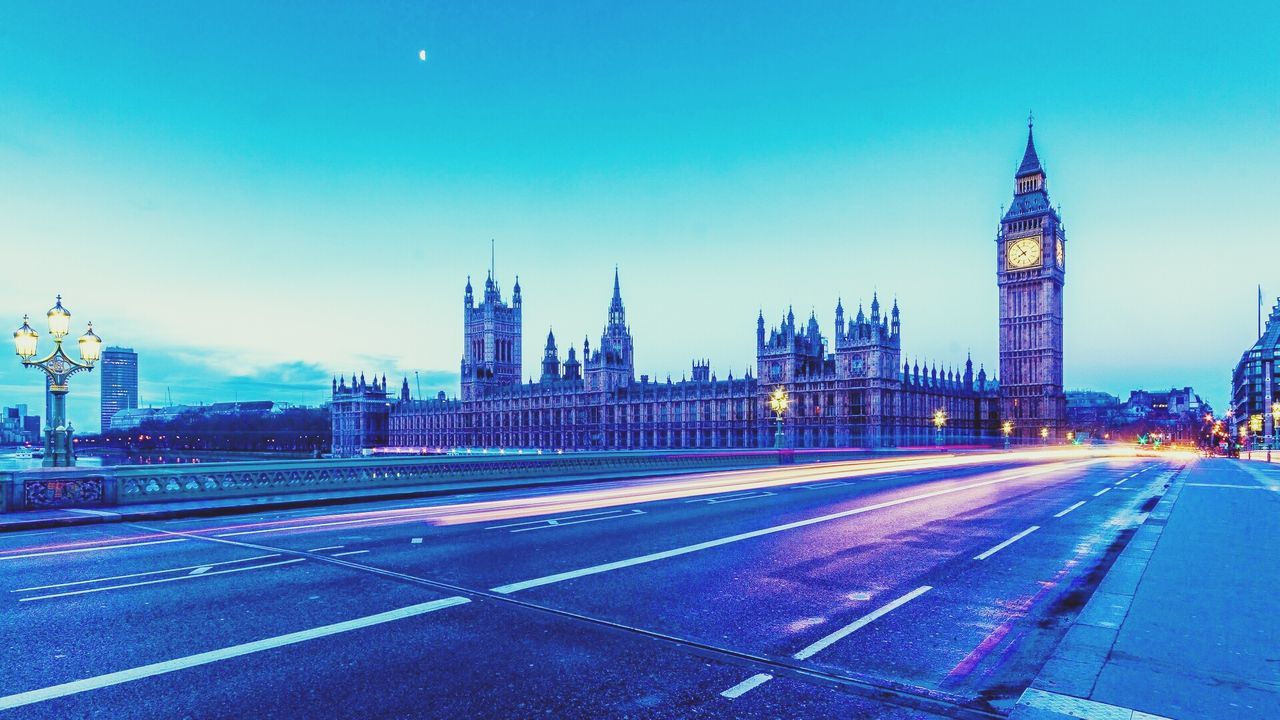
(1030, 271)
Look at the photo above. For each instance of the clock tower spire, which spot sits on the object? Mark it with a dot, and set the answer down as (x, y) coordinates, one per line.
(1030, 273)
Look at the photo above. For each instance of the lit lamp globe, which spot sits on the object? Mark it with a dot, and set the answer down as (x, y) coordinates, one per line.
(90, 346)
(59, 320)
(24, 339)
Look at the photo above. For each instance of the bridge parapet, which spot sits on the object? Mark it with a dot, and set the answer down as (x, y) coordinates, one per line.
(91, 487)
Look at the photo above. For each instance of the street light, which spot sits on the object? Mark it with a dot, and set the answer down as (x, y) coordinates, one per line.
(59, 367)
(778, 402)
(1007, 429)
(1044, 435)
(939, 422)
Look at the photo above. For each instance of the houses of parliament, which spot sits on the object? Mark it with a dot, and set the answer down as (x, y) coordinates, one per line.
(852, 390)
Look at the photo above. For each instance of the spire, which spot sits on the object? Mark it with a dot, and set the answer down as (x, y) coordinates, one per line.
(1030, 161)
(617, 292)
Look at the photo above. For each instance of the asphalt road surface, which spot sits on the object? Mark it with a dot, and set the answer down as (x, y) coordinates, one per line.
(902, 588)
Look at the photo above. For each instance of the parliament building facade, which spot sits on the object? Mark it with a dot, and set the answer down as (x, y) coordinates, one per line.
(853, 390)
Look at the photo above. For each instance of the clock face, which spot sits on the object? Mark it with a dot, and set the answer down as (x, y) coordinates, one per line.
(1061, 255)
(1023, 252)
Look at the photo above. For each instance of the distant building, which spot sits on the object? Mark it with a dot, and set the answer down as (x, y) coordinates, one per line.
(1255, 382)
(130, 418)
(1178, 413)
(17, 427)
(119, 367)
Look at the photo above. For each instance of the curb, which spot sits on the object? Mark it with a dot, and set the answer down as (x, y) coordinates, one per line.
(1063, 685)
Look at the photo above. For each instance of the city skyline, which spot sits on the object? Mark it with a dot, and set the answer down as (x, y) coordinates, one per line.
(799, 174)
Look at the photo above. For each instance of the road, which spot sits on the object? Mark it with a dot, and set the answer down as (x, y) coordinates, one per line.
(904, 588)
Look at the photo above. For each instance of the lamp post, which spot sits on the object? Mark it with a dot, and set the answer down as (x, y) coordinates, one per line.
(1275, 428)
(939, 422)
(1044, 436)
(778, 402)
(59, 367)
(1007, 430)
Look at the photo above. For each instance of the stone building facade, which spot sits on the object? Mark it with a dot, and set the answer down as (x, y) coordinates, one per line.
(854, 389)
(855, 392)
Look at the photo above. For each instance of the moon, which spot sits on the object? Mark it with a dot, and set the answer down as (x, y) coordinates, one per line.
(422, 55)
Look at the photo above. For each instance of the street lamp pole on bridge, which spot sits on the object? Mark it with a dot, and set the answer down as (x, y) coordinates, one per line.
(59, 450)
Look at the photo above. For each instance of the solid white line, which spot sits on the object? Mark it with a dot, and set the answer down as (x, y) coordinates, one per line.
(12, 536)
(747, 685)
(1007, 543)
(123, 676)
(149, 572)
(91, 549)
(349, 552)
(861, 622)
(675, 552)
(1073, 507)
(157, 582)
(1101, 492)
(748, 495)
(327, 547)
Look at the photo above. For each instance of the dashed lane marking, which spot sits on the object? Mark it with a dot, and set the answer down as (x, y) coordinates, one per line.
(861, 622)
(566, 520)
(1007, 543)
(327, 547)
(1073, 507)
(9, 702)
(1102, 492)
(747, 685)
(749, 495)
(707, 545)
(416, 541)
(350, 552)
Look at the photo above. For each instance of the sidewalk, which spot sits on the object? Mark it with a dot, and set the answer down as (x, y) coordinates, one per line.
(1186, 624)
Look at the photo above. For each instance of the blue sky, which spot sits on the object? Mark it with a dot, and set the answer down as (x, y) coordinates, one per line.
(257, 195)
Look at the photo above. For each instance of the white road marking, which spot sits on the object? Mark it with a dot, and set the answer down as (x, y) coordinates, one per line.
(349, 552)
(1007, 543)
(861, 622)
(1101, 492)
(416, 541)
(823, 486)
(749, 495)
(567, 520)
(1061, 705)
(1073, 507)
(98, 513)
(327, 547)
(157, 582)
(142, 574)
(675, 552)
(90, 549)
(71, 688)
(747, 685)
(1122, 481)
(12, 536)
(200, 570)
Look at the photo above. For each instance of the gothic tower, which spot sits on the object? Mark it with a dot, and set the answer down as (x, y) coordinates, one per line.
(1030, 272)
(491, 339)
(613, 364)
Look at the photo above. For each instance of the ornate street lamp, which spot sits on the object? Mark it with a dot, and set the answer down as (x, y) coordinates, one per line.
(1006, 429)
(59, 367)
(778, 402)
(1044, 435)
(939, 422)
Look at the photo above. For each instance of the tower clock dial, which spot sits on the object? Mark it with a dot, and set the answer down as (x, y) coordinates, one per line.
(1023, 252)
